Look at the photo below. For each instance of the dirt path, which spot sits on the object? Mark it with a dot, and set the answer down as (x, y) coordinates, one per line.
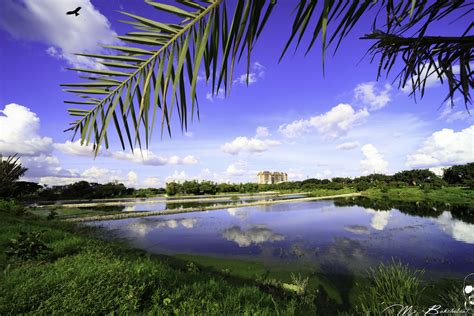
(189, 200)
(200, 209)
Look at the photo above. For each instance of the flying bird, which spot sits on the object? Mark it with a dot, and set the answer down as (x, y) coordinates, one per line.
(75, 12)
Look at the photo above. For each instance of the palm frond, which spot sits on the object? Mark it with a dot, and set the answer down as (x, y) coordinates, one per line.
(159, 71)
(392, 20)
(10, 169)
(426, 59)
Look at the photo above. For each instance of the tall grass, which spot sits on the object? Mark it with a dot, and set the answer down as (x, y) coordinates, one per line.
(389, 285)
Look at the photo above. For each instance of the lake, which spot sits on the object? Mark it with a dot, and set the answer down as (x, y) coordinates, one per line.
(331, 236)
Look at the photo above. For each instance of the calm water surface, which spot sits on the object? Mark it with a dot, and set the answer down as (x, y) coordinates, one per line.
(331, 236)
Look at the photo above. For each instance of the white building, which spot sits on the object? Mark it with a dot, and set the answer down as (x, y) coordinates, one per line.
(439, 171)
(267, 177)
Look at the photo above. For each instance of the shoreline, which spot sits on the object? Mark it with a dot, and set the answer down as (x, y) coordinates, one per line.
(201, 209)
(188, 200)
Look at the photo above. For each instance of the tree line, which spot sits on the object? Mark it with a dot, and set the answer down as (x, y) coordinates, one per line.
(461, 175)
(11, 170)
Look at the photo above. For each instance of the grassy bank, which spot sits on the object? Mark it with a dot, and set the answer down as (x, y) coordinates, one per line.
(80, 274)
(451, 195)
(84, 275)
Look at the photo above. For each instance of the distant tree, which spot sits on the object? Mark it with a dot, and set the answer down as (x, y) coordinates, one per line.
(173, 188)
(416, 176)
(208, 187)
(26, 189)
(10, 171)
(461, 174)
(341, 180)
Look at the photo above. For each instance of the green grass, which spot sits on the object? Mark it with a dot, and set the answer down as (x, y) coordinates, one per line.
(83, 275)
(452, 195)
(326, 192)
(68, 212)
(391, 284)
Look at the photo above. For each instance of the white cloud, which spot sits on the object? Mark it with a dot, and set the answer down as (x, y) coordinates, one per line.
(45, 21)
(255, 235)
(262, 132)
(19, 132)
(189, 160)
(189, 134)
(374, 161)
(132, 179)
(44, 165)
(332, 124)
(432, 80)
(236, 169)
(248, 145)
(177, 177)
(445, 147)
(450, 115)
(379, 218)
(348, 145)
(459, 230)
(100, 175)
(219, 95)
(257, 72)
(75, 149)
(93, 174)
(295, 174)
(368, 94)
(147, 157)
(152, 182)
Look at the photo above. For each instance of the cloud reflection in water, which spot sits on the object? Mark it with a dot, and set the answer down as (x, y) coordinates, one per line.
(144, 227)
(255, 235)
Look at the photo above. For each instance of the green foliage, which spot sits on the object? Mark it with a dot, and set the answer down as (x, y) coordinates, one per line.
(461, 174)
(85, 190)
(81, 275)
(416, 176)
(391, 284)
(362, 186)
(52, 215)
(300, 282)
(10, 171)
(12, 207)
(192, 267)
(27, 246)
(172, 188)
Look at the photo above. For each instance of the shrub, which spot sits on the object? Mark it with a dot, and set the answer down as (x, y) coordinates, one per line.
(27, 246)
(391, 284)
(52, 215)
(12, 207)
(362, 186)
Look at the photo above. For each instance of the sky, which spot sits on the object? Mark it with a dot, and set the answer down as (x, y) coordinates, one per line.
(289, 118)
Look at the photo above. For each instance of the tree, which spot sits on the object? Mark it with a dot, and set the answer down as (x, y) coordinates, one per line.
(159, 67)
(10, 171)
(416, 176)
(173, 188)
(462, 174)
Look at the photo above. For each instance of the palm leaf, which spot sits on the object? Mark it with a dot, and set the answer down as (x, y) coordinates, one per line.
(392, 20)
(152, 69)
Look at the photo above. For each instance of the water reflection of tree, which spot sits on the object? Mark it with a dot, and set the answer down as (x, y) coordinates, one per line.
(422, 208)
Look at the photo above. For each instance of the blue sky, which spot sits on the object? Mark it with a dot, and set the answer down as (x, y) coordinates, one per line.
(288, 119)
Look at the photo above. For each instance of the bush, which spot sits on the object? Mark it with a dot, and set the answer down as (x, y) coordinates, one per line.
(27, 246)
(52, 215)
(362, 186)
(12, 207)
(391, 284)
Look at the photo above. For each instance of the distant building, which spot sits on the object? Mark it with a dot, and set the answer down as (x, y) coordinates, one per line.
(267, 177)
(439, 171)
